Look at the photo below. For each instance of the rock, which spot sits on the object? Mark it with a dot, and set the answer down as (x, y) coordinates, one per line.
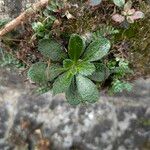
(113, 123)
(12, 8)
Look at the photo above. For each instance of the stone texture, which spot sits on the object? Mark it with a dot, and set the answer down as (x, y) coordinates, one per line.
(121, 122)
(12, 8)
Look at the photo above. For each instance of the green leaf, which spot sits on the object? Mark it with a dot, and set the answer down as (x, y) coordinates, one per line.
(87, 89)
(101, 73)
(62, 83)
(119, 3)
(72, 95)
(97, 49)
(94, 2)
(40, 73)
(38, 27)
(104, 31)
(67, 63)
(37, 73)
(51, 49)
(85, 68)
(75, 47)
(53, 71)
(120, 86)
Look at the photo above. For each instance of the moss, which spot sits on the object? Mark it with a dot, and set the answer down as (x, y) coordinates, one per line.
(141, 44)
(138, 37)
(85, 18)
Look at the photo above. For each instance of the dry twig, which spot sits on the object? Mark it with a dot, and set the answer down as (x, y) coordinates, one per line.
(23, 17)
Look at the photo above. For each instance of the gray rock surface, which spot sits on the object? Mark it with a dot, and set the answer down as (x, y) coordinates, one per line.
(12, 8)
(121, 122)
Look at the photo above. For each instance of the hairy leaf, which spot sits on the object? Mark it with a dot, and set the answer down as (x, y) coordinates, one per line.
(85, 68)
(101, 73)
(75, 47)
(51, 49)
(41, 73)
(37, 73)
(72, 95)
(97, 49)
(87, 89)
(62, 83)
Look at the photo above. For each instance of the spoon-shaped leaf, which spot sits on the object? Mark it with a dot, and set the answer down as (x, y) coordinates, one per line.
(37, 73)
(76, 47)
(85, 68)
(87, 89)
(97, 49)
(40, 73)
(51, 49)
(101, 73)
(72, 95)
(119, 3)
(62, 83)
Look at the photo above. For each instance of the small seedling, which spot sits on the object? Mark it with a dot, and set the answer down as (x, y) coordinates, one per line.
(76, 71)
(128, 14)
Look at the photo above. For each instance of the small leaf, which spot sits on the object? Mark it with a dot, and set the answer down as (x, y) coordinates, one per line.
(94, 2)
(67, 63)
(37, 73)
(72, 95)
(51, 49)
(38, 26)
(62, 83)
(87, 89)
(120, 86)
(118, 18)
(85, 68)
(119, 3)
(101, 73)
(138, 15)
(97, 49)
(40, 73)
(75, 47)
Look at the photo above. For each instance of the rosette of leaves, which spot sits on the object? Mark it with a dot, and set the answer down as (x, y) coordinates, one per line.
(128, 13)
(77, 74)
